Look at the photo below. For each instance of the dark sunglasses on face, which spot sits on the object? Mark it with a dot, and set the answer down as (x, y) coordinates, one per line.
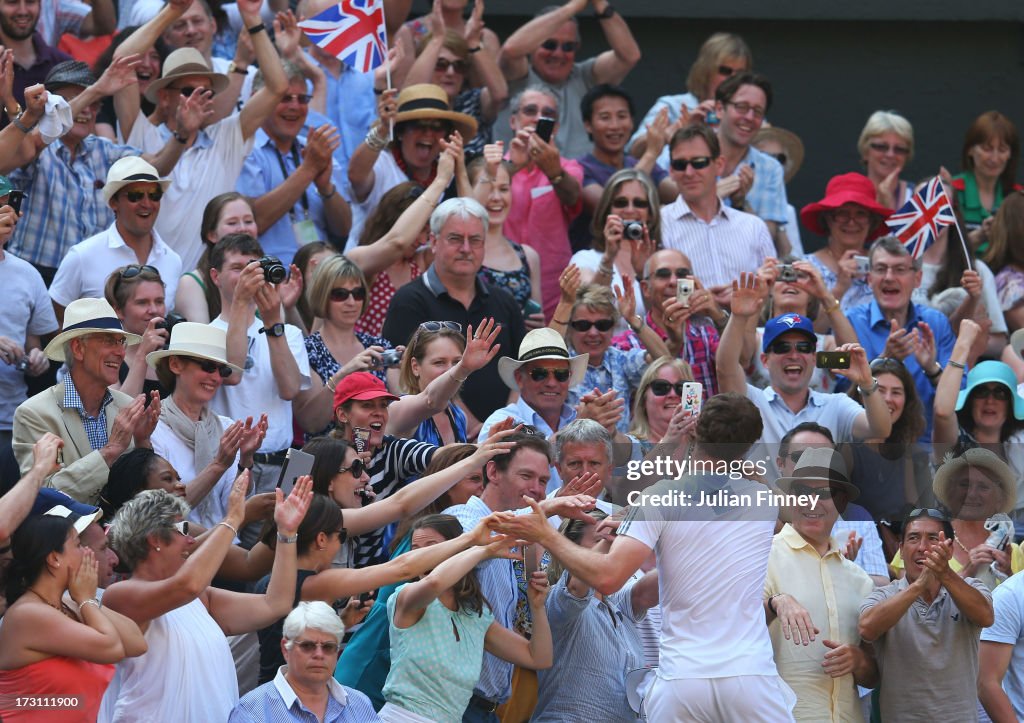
(457, 66)
(886, 148)
(433, 125)
(540, 374)
(188, 90)
(211, 366)
(661, 388)
(784, 347)
(136, 196)
(132, 270)
(725, 70)
(553, 45)
(998, 392)
(358, 293)
(356, 469)
(698, 163)
(300, 98)
(680, 273)
(584, 325)
(625, 202)
(533, 109)
(308, 646)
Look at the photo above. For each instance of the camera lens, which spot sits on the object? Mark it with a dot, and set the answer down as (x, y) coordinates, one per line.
(274, 271)
(633, 230)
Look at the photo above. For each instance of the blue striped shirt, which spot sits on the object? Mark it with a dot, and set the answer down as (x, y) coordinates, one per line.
(276, 701)
(95, 427)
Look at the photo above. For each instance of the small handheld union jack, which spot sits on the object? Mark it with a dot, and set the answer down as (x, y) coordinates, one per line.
(352, 31)
(919, 221)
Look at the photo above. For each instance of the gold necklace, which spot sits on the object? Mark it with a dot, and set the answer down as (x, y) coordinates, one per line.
(957, 541)
(62, 608)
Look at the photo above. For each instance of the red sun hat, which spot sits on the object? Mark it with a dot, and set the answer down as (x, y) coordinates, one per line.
(360, 386)
(842, 189)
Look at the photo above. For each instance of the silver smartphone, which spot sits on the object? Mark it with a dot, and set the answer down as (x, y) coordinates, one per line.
(296, 464)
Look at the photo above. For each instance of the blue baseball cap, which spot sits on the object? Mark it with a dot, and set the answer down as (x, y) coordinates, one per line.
(54, 502)
(784, 323)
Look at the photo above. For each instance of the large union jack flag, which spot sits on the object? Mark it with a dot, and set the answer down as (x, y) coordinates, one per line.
(922, 217)
(352, 31)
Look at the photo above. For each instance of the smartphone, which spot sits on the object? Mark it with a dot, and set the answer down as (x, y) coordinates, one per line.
(545, 127)
(530, 561)
(531, 307)
(693, 395)
(711, 118)
(14, 200)
(832, 360)
(684, 289)
(296, 464)
(365, 597)
(863, 265)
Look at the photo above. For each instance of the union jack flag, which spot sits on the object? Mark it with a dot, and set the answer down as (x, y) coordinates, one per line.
(352, 31)
(922, 217)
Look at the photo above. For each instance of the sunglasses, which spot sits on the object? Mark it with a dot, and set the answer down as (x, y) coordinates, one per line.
(532, 109)
(182, 527)
(300, 98)
(666, 273)
(457, 66)
(308, 646)
(136, 196)
(998, 392)
(438, 325)
(211, 366)
(133, 270)
(726, 71)
(356, 469)
(886, 148)
(566, 47)
(780, 157)
(625, 202)
(824, 493)
(927, 512)
(358, 293)
(540, 374)
(661, 388)
(698, 163)
(433, 125)
(884, 362)
(188, 90)
(584, 325)
(784, 347)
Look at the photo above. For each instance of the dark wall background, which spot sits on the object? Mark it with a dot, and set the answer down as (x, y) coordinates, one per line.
(832, 66)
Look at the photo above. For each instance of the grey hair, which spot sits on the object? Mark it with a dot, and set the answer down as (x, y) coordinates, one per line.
(147, 513)
(894, 247)
(583, 431)
(314, 615)
(533, 89)
(69, 357)
(886, 121)
(291, 72)
(462, 207)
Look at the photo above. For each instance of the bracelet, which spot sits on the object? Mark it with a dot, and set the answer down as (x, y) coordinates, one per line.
(180, 138)
(602, 269)
(331, 383)
(326, 196)
(771, 605)
(934, 373)
(90, 601)
(16, 122)
(374, 140)
(287, 539)
(452, 372)
(229, 526)
(957, 364)
(560, 321)
(477, 49)
(870, 390)
(636, 329)
(257, 29)
(557, 179)
(834, 307)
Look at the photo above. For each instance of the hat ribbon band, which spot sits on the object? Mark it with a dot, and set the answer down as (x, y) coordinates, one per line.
(544, 351)
(106, 322)
(141, 177)
(822, 472)
(424, 103)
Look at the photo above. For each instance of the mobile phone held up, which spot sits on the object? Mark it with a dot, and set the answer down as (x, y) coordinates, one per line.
(832, 360)
(14, 200)
(545, 127)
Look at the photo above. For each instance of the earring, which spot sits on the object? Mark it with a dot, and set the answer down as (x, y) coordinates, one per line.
(158, 549)
(57, 565)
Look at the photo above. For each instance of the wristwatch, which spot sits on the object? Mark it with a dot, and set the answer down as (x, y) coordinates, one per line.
(870, 390)
(274, 330)
(234, 67)
(608, 12)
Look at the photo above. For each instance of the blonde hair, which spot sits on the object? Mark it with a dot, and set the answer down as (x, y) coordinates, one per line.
(717, 48)
(641, 428)
(886, 121)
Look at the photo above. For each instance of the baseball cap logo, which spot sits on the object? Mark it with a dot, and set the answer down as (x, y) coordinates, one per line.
(790, 320)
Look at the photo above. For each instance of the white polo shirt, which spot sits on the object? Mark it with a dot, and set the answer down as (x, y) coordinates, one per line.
(84, 270)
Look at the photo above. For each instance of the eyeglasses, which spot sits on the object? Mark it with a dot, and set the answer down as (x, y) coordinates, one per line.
(211, 366)
(824, 493)
(109, 339)
(356, 469)
(132, 270)
(300, 98)
(136, 196)
(552, 45)
(182, 527)
(744, 108)
(358, 293)
(846, 215)
(726, 71)
(699, 163)
(661, 388)
(884, 363)
(666, 273)
(188, 90)
(308, 647)
(784, 347)
(927, 512)
(622, 202)
(457, 241)
(443, 64)
(540, 374)
(438, 325)
(780, 157)
(886, 148)
(883, 270)
(584, 325)
(533, 109)
(997, 392)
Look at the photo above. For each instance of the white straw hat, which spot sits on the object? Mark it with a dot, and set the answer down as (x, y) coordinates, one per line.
(83, 317)
(200, 341)
(543, 343)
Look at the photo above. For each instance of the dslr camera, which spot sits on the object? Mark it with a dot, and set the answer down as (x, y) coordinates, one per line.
(274, 272)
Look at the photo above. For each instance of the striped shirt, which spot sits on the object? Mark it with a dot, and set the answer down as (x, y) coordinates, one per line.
(719, 250)
(95, 427)
(276, 702)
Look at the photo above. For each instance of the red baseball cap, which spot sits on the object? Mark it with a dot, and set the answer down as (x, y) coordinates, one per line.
(360, 386)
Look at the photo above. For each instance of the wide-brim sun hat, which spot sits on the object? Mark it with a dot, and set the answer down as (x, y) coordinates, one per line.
(198, 341)
(541, 344)
(182, 63)
(426, 101)
(87, 316)
(949, 474)
(988, 372)
(128, 170)
(791, 144)
(821, 464)
(842, 189)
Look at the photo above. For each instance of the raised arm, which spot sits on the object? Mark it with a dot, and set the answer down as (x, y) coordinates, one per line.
(875, 422)
(17, 503)
(262, 103)
(946, 429)
(613, 65)
(535, 653)
(747, 297)
(513, 58)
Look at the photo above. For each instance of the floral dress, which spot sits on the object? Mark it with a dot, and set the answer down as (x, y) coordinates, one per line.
(516, 283)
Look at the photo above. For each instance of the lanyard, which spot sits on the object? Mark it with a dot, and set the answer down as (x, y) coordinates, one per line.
(284, 174)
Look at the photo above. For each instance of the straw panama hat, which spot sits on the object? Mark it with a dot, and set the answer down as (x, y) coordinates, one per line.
(182, 63)
(199, 341)
(791, 144)
(821, 464)
(425, 101)
(84, 317)
(539, 344)
(947, 475)
(129, 170)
